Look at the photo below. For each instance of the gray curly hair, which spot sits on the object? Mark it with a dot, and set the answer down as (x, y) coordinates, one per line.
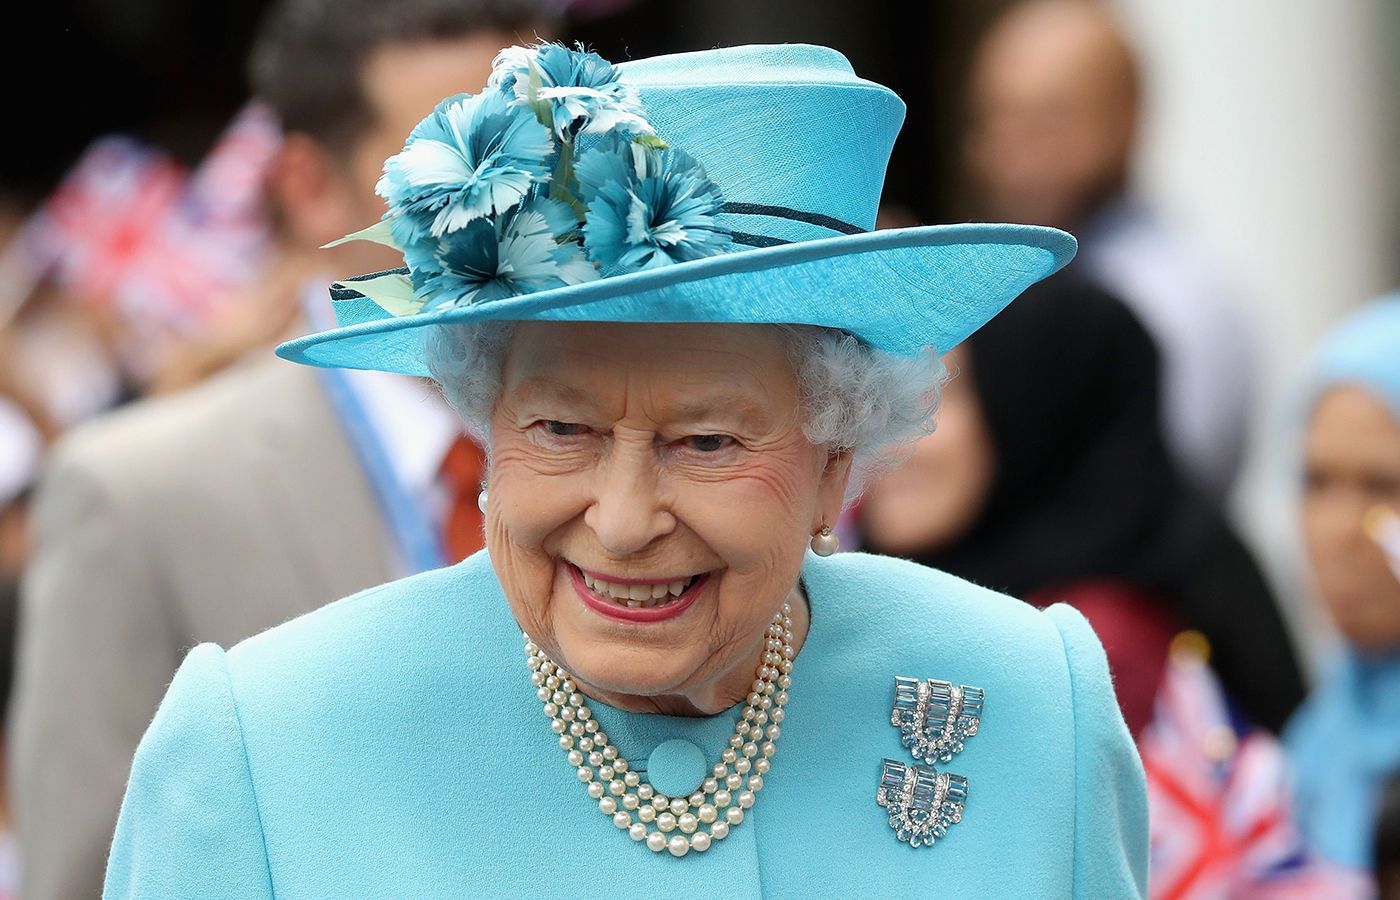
(854, 398)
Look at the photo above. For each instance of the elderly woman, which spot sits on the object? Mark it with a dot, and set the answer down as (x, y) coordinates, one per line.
(1349, 728)
(650, 291)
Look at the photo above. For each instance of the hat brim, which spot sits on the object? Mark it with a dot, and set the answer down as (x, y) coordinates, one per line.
(899, 290)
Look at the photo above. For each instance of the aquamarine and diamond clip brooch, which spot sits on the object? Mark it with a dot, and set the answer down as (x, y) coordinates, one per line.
(935, 720)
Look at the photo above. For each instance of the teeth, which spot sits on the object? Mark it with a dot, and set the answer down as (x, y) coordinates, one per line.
(637, 596)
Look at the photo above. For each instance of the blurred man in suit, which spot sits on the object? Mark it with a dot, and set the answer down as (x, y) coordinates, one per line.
(268, 490)
(1054, 111)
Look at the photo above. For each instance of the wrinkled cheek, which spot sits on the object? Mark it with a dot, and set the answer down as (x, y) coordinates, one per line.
(759, 527)
(528, 581)
(527, 514)
(527, 504)
(777, 496)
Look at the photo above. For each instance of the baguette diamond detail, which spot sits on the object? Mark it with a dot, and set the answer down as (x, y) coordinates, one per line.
(935, 718)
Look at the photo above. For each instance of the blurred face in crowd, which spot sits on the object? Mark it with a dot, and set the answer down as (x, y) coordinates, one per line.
(934, 497)
(326, 192)
(1052, 113)
(1352, 466)
(652, 497)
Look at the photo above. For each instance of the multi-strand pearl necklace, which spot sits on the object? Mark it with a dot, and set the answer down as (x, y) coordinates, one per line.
(676, 824)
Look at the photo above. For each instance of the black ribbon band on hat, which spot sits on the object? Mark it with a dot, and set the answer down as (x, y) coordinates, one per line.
(756, 240)
(783, 212)
(343, 291)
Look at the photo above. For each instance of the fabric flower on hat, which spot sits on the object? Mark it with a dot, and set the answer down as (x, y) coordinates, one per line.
(526, 249)
(487, 200)
(571, 91)
(648, 206)
(473, 156)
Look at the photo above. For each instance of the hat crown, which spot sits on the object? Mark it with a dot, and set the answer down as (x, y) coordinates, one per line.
(782, 129)
(777, 160)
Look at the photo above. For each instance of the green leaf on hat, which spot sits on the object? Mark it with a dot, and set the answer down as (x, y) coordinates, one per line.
(532, 97)
(393, 293)
(560, 183)
(651, 142)
(379, 233)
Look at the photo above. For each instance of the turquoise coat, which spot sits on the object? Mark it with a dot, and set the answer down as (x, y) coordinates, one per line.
(391, 745)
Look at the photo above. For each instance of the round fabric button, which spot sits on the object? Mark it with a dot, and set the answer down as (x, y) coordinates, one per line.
(676, 768)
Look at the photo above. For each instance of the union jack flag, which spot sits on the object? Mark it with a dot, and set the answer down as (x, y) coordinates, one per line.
(109, 223)
(227, 191)
(129, 229)
(1218, 796)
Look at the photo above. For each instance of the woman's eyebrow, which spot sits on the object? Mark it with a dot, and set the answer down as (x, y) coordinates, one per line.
(538, 388)
(721, 407)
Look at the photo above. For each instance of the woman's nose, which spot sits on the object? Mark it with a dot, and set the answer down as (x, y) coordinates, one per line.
(627, 512)
(1342, 515)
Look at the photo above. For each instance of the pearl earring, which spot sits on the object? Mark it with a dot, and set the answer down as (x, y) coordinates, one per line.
(824, 542)
(481, 499)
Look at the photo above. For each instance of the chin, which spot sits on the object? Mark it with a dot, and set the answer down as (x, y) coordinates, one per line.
(640, 676)
(1369, 639)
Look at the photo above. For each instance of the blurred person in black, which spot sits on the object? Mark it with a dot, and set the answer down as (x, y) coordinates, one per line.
(151, 526)
(1054, 108)
(1048, 478)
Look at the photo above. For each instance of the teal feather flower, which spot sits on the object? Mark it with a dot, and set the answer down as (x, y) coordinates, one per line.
(487, 199)
(474, 156)
(526, 249)
(572, 91)
(648, 207)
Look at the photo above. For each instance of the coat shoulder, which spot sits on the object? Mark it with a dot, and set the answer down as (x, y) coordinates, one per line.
(883, 596)
(878, 617)
(381, 639)
(200, 430)
(1048, 697)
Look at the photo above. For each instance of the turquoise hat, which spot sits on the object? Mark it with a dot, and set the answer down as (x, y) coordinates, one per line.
(729, 185)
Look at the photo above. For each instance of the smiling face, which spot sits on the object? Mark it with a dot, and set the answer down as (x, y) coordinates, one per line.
(665, 464)
(1353, 466)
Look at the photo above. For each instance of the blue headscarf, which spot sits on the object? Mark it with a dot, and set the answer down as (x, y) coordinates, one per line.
(1345, 740)
(1364, 350)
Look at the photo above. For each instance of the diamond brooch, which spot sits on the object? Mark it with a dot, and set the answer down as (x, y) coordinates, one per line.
(922, 802)
(935, 720)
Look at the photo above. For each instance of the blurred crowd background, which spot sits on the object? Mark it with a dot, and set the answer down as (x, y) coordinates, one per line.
(1176, 435)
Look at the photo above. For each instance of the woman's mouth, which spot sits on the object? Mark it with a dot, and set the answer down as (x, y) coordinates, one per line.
(636, 600)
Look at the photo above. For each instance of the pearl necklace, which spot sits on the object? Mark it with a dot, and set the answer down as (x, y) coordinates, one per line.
(676, 824)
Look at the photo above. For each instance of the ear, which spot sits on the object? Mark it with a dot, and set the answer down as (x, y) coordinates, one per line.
(831, 491)
(309, 191)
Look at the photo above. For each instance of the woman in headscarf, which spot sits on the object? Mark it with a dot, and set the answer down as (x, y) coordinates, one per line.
(1049, 479)
(1345, 740)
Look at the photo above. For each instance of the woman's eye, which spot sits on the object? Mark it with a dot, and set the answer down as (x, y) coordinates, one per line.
(1383, 486)
(708, 443)
(563, 429)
